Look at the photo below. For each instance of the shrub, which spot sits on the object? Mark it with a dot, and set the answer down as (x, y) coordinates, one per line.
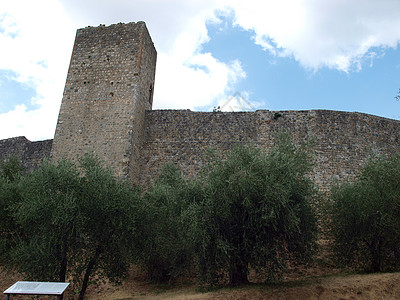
(365, 214)
(257, 212)
(76, 222)
(168, 225)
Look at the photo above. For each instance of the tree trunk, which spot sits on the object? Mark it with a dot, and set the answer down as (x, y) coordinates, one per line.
(64, 262)
(375, 250)
(238, 268)
(238, 272)
(89, 269)
(63, 268)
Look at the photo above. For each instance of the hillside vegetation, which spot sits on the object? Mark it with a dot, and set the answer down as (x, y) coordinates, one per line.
(250, 220)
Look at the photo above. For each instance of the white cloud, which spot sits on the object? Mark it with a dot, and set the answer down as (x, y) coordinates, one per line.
(321, 33)
(35, 50)
(195, 82)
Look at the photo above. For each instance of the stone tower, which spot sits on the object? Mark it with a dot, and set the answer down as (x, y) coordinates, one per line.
(108, 89)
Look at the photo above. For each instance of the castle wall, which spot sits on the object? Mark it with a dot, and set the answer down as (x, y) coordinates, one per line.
(183, 137)
(30, 154)
(342, 141)
(108, 88)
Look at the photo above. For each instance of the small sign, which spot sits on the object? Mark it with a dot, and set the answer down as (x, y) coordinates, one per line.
(37, 288)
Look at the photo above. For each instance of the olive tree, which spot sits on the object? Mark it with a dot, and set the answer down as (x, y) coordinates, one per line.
(46, 215)
(77, 222)
(257, 212)
(365, 217)
(10, 174)
(168, 225)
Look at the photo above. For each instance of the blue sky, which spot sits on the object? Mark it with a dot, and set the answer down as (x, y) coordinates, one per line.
(278, 55)
(283, 84)
(13, 92)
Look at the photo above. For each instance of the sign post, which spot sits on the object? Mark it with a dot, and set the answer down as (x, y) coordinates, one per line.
(37, 288)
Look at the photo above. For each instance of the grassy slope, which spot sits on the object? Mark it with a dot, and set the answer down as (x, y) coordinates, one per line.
(368, 286)
(336, 286)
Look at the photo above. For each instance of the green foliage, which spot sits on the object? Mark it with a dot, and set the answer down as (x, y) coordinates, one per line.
(217, 109)
(248, 210)
(46, 215)
(11, 169)
(366, 217)
(257, 212)
(168, 224)
(109, 209)
(10, 175)
(77, 222)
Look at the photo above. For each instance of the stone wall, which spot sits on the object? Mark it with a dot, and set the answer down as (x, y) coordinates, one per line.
(183, 136)
(342, 141)
(31, 154)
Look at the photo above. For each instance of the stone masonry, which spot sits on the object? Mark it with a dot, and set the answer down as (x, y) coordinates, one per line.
(106, 109)
(31, 154)
(109, 87)
(342, 141)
